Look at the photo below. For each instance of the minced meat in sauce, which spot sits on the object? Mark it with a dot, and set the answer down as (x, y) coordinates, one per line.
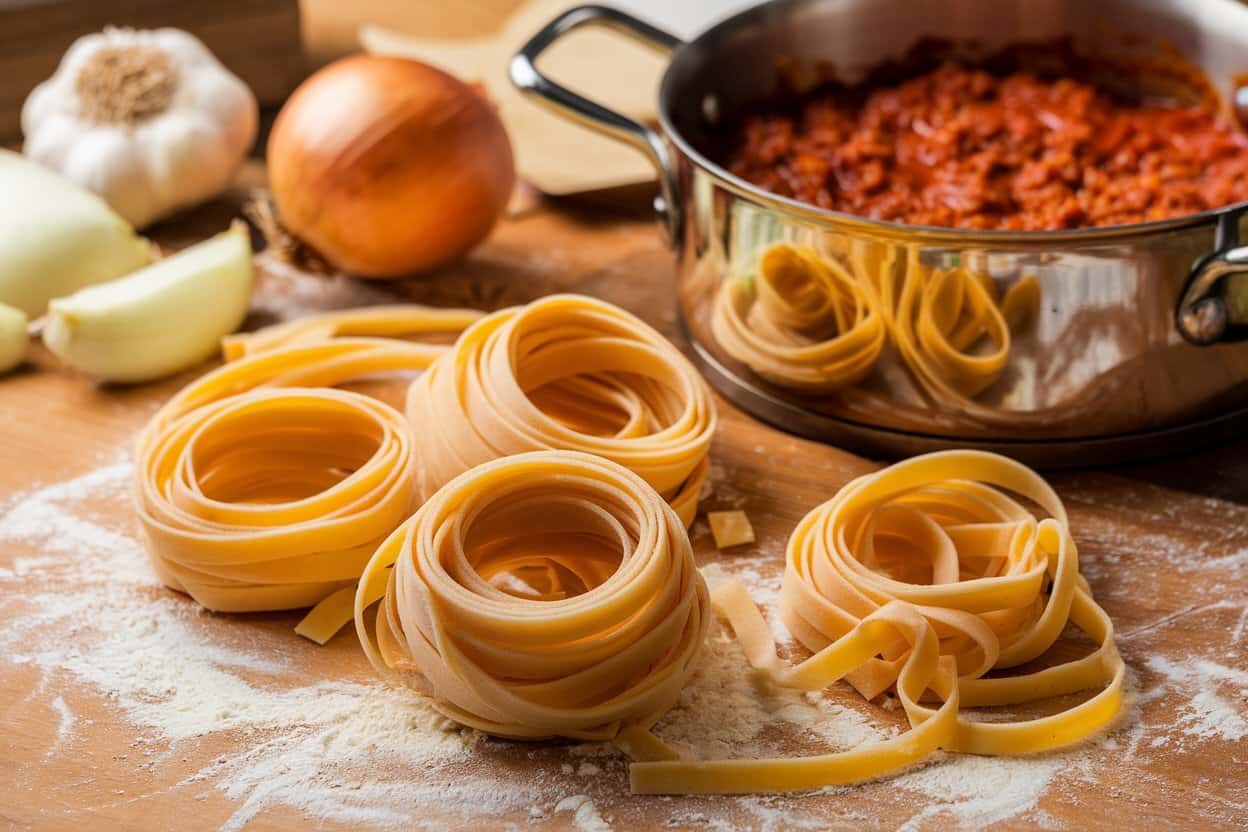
(961, 147)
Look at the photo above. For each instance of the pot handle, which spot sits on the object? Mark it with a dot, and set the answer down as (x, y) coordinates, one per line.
(525, 76)
(1214, 305)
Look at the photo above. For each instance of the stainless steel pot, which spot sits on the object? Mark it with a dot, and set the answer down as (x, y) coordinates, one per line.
(1132, 349)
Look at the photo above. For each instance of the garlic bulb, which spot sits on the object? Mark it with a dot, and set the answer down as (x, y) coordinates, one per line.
(149, 120)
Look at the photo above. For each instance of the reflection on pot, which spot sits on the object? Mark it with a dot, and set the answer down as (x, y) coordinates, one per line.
(808, 322)
(801, 321)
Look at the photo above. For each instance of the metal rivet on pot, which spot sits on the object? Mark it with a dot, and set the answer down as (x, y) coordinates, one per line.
(1204, 322)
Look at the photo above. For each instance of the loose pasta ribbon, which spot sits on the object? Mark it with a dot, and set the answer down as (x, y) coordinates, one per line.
(922, 578)
(551, 593)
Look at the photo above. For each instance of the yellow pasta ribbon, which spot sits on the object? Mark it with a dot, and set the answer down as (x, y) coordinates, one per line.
(259, 486)
(938, 318)
(572, 373)
(803, 321)
(392, 321)
(546, 594)
(806, 322)
(923, 577)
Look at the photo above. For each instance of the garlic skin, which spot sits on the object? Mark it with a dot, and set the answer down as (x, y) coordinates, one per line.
(149, 120)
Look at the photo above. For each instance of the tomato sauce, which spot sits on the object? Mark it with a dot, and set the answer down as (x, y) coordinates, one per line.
(964, 147)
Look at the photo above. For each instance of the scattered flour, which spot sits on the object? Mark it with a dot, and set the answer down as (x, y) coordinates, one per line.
(1235, 560)
(729, 711)
(46, 518)
(117, 632)
(584, 813)
(360, 753)
(976, 792)
(64, 725)
(1205, 712)
(720, 488)
(1238, 632)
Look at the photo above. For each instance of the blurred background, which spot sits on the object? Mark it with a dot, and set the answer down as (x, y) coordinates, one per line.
(273, 44)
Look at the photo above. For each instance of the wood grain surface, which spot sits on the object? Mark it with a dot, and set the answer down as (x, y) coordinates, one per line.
(1168, 565)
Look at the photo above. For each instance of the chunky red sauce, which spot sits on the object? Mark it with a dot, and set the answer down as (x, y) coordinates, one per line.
(964, 148)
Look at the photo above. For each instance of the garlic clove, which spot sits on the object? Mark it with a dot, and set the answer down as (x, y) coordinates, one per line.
(182, 161)
(188, 49)
(54, 141)
(102, 163)
(224, 100)
(42, 105)
(159, 320)
(13, 337)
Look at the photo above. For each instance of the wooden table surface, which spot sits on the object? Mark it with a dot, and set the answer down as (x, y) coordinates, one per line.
(1164, 544)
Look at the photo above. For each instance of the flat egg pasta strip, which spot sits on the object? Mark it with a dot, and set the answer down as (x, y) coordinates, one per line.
(391, 321)
(586, 658)
(922, 577)
(803, 321)
(566, 372)
(261, 487)
(936, 317)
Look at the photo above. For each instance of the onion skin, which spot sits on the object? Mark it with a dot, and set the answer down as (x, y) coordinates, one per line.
(388, 167)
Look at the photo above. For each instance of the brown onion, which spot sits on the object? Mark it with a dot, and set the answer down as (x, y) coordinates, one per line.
(387, 166)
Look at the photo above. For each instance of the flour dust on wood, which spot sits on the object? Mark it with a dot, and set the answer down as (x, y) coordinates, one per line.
(254, 720)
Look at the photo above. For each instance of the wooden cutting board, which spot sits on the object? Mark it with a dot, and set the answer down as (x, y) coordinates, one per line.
(1171, 567)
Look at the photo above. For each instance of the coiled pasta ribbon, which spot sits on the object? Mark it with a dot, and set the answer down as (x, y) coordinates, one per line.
(566, 372)
(938, 318)
(923, 577)
(259, 487)
(546, 594)
(808, 323)
(804, 321)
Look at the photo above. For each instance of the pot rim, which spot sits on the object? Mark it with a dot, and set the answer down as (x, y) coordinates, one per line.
(886, 228)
